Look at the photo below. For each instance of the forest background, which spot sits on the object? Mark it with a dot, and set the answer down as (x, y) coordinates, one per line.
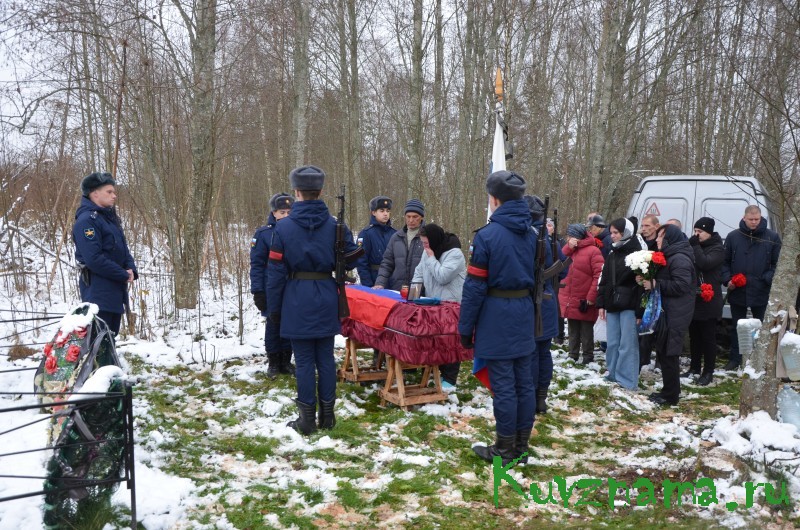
(201, 108)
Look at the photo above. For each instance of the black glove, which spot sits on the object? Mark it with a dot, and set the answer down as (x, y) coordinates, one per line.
(260, 299)
(275, 318)
(694, 240)
(466, 341)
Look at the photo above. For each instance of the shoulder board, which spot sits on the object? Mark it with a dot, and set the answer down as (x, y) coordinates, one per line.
(262, 229)
(367, 227)
(481, 228)
(93, 215)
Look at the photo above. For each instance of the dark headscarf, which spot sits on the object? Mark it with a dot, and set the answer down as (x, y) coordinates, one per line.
(672, 235)
(439, 240)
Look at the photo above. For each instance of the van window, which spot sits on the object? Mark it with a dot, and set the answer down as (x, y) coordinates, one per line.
(665, 208)
(726, 213)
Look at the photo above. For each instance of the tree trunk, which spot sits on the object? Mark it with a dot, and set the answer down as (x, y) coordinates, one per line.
(302, 13)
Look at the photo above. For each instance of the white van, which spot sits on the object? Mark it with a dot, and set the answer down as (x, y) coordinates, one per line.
(690, 197)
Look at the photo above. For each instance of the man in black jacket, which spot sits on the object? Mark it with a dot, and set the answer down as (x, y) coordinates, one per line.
(403, 251)
(751, 250)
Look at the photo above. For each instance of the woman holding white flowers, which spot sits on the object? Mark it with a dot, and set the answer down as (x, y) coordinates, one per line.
(676, 280)
(618, 299)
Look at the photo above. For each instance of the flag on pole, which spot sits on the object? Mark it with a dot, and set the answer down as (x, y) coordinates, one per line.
(501, 151)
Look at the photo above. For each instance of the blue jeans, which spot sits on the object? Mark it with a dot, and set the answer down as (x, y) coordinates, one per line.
(514, 394)
(314, 357)
(622, 355)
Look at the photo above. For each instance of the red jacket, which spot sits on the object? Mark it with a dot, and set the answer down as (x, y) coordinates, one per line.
(581, 281)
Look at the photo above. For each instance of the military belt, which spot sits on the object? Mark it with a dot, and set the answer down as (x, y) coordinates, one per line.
(505, 293)
(301, 275)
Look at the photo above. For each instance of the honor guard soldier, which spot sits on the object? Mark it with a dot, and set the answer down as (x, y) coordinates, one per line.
(497, 310)
(279, 350)
(302, 295)
(374, 238)
(101, 250)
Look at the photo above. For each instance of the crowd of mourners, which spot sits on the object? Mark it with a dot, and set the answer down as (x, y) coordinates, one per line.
(592, 284)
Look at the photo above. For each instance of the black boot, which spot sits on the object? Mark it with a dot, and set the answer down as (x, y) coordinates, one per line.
(286, 366)
(326, 418)
(541, 403)
(521, 446)
(305, 423)
(503, 447)
(274, 367)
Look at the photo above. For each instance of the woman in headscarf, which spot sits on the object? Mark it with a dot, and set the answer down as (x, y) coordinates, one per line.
(618, 297)
(441, 270)
(676, 280)
(577, 298)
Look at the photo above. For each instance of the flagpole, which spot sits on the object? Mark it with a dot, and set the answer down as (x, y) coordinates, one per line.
(499, 155)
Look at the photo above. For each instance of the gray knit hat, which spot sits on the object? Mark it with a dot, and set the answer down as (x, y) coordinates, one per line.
(415, 206)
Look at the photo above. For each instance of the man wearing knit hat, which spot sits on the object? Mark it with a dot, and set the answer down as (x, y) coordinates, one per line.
(279, 350)
(751, 250)
(497, 314)
(302, 295)
(101, 250)
(403, 251)
(374, 238)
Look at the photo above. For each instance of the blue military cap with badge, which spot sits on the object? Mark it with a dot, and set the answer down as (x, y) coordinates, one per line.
(381, 201)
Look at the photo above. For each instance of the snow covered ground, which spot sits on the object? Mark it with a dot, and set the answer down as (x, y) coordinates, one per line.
(238, 465)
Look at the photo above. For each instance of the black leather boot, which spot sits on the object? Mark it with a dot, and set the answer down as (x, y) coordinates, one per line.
(286, 366)
(326, 418)
(503, 447)
(274, 360)
(305, 423)
(541, 401)
(521, 446)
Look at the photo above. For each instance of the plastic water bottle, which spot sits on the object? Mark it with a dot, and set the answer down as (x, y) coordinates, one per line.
(790, 352)
(789, 406)
(746, 329)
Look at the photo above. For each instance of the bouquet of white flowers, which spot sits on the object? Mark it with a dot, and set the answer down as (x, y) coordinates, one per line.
(645, 263)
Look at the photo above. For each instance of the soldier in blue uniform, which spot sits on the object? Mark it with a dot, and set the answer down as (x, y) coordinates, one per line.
(373, 238)
(101, 250)
(497, 310)
(543, 371)
(302, 295)
(279, 350)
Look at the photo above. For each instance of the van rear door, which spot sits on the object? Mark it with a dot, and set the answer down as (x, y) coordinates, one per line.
(660, 199)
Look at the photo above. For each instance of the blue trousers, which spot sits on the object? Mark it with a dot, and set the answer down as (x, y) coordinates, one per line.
(315, 369)
(114, 320)
(739, 312)
(622, 354)
(273, 341)
(514, 394)
(543, 370)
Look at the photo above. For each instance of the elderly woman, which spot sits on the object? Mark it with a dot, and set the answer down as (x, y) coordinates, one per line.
(676, 280)
(441, 271)
(577, 298)
(618, 298)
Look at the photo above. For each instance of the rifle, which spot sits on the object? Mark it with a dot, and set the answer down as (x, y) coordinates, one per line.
(554, 248)
(344, 308)
(541, 264)
(343, 258)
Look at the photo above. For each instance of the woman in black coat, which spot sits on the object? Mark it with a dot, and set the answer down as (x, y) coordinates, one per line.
(677, 282)
(709, 255)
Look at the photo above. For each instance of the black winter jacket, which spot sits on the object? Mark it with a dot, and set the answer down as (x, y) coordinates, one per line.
(708, 258)
(753, 253)
(618, 277)
(677, 282)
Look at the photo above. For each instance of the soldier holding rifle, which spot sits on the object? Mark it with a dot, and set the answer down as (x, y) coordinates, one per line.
(303, 296)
